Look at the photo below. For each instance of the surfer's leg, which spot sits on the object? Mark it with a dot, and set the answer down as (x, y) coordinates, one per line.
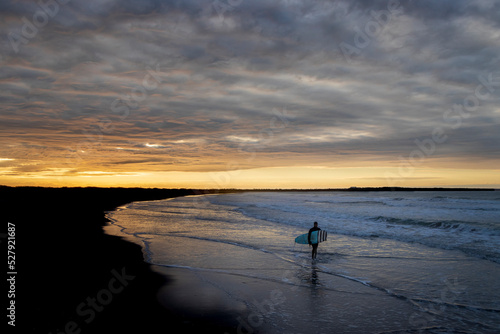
(314, 251)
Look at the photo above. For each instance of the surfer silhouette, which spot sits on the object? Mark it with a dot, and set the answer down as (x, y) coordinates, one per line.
(314, 246)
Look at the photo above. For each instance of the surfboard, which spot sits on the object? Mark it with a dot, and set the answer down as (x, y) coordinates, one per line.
(315, 237)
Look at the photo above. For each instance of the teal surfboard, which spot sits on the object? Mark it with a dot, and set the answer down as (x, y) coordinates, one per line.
(315, 237)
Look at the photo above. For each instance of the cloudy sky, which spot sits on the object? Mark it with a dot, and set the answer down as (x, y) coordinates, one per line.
(250, 93)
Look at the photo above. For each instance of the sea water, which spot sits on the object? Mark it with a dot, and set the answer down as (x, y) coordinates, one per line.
(394, 262)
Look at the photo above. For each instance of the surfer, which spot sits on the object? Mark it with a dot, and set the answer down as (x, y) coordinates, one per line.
(314, 246)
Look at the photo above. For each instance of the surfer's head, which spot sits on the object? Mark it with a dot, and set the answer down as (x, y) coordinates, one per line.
(315, 224)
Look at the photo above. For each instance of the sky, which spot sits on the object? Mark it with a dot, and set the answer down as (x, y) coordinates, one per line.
(250, 94)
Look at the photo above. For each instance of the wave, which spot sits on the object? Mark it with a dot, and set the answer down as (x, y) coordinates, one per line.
(477, 241)
(471, 225)
(365, 202)
(451, 225)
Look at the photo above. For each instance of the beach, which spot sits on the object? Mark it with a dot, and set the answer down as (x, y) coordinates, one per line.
(95, 260)
(73, 278)
(394, 262)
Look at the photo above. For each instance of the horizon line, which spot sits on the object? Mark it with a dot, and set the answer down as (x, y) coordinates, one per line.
(352, 188)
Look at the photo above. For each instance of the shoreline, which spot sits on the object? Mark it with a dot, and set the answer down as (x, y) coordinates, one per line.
(252, 275)
(75, 278)
(72, 277)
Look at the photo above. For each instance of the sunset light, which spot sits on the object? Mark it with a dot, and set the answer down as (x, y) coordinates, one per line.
(158, 94)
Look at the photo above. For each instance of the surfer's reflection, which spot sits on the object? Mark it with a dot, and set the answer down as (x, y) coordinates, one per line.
(310, 277)
(314, 276)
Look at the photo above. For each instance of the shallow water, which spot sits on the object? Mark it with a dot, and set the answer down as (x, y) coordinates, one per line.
(393, 262)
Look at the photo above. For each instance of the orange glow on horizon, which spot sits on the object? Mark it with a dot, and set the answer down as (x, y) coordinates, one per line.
(308, 177)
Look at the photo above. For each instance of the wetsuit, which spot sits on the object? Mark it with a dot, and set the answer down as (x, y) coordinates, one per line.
(315, 246)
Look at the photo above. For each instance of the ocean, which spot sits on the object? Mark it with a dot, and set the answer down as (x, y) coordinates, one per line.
(394, 262)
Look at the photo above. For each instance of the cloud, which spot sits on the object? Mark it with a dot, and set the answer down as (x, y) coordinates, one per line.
(204, 84)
